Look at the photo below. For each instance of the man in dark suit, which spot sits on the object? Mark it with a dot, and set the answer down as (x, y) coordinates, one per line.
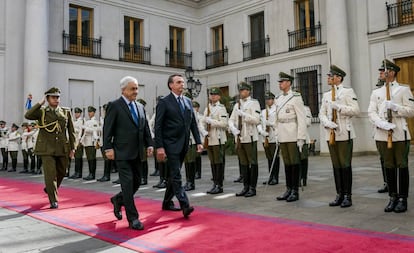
(174, 120)
(126, 135)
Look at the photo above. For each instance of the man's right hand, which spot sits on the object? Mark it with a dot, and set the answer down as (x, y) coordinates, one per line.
(42, 101)
(161, 155)
(110, 154)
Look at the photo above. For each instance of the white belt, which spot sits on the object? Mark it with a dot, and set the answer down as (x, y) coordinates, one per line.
(286, 120)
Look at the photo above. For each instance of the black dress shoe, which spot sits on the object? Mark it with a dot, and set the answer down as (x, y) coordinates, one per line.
(189, 187)
(54, 205)
(161, 185)
(117, 208)
(143, 181)
(391, 205)
(187, 211)
(75, 175)
(285, 195)
(116, 181)
(103, 179)
(347, 202)
(243, 192)
(239, 180)
(156, 173)
(212, 189)
(136, 224)
(169, 206)
(273, 181)
(401, 206)
(294, 196)
(250, 193)
(217, 190)
(89, 177)
(383, 189)
(338, 200)
(197, 175)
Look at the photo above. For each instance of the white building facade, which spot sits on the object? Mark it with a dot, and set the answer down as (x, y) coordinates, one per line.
(85, 47)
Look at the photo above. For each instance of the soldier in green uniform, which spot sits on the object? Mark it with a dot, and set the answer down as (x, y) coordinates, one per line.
(56, 140)
(13, 145)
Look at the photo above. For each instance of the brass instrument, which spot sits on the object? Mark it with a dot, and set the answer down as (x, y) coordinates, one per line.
(266, 140)
(208, 127)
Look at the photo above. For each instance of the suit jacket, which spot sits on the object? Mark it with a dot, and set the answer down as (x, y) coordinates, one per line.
(57, 134)
(122, 134)
(172, 127)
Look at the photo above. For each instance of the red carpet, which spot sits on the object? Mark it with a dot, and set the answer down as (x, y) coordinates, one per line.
(206, 230)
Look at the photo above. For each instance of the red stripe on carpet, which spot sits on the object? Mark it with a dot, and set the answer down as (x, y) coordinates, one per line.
(207, 230)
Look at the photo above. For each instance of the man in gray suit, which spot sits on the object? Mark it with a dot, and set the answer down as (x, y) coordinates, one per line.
(126, 135)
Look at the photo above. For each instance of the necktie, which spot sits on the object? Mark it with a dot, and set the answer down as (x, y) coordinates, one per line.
(133, 113)
(180, 102)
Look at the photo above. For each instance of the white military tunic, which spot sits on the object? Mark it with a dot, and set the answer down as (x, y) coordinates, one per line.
(27, 139)
(251, 108)
(268, 122)
(218, 126)
(91, 134)
(14, 140)
(4, 137)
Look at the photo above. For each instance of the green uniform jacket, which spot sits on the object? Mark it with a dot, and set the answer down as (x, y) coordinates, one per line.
(57, 134)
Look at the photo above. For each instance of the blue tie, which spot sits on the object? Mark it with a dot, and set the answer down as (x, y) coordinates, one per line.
(133, 113)
(180, 102)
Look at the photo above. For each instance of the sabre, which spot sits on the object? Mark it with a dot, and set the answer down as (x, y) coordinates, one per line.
(273, 163)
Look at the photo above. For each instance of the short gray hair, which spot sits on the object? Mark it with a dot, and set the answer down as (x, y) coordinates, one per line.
(127, 79)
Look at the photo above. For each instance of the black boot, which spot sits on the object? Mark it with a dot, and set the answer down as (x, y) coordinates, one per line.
(304, 171)
(77, 167)
(391, 204)
(286, 194)
(163, 176)
(254, 173)
(384, 188)
(92, 170)
(32, 164)
(107, 171)
(403, 190)
(144, 177)
(294, 194)
(338, 185)
(190, 185)
(219, 179)
(347, 186)
(392, 189)
(214, 176)
(39, 165)
(25, 166)
(244, 174)
(198, 167)
(68, 169)
(240, 178)
(14, 166)
(401, 206)
(275, 171)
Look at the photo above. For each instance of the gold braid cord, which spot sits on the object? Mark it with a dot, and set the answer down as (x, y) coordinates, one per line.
(55, 124)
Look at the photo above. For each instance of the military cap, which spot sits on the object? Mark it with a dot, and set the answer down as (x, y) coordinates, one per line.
(269, 95)
(91, 109)
(15, 126)
(390, 66)
(196, 104)
(188, 94)
(25, 124)
(285, 77)
(54, 91)
(2, 122)
(142, 101)
(244, 86)
(336, 71)
(78, 110)
(214, 91)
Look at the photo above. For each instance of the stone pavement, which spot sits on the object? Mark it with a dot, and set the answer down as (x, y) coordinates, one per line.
(20, 233)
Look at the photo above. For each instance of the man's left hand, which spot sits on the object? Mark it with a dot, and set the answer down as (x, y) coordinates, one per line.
(200, 148)
(150, 151)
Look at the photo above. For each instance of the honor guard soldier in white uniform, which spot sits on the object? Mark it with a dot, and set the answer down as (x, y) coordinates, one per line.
(243, 124)
(389, 114)
(338, 107)
(79, 132)
(215, 122)
(292, 132)
(27, 148)
(13, 146)
(267, 129)
(4, 138)
(89, 139)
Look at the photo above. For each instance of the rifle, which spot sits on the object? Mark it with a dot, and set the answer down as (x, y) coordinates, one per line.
(388, 97)
(83, 124)
(97, 144)
(239, 126)
(334, 112)
(266, 140)
(208, 125)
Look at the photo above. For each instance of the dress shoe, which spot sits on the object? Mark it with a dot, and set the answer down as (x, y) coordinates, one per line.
(90, 177)
(54, 205)
(250, 193)
(117, 208)
(347, 202)
(239, 180)
(217, 190)
(75, 175)
(243, 192)
(285, 195)
(143, 181)
(294, 196)
(391, 205)
(273, 181)
(187, 211)
(197, 175)
(11, 170)
(116, 181)
(169, 206)
(161, 185)
(156, 173)
(401, 206)
(189, 187)
(383, 189)
(212, 189)
(103, 179)
(338, 200)
(136, 224)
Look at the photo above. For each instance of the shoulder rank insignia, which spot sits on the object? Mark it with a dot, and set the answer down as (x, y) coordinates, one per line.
(354, 99)
(411, 99)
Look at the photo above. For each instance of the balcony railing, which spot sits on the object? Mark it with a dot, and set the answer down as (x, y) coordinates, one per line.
(304, 38)
(400, 14)
(134, 53)
(178, 59)
(256, 49)
(82, 46)
(217, 58)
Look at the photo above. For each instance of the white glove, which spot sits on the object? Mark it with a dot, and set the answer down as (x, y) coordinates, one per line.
(264, 133)
(384, 125)
(269, 123)
(241, 113)
(391, 105)
(331, 125)
(300, 144)
(335, 105)
(235, 131)
(209, 120)
(204, 133)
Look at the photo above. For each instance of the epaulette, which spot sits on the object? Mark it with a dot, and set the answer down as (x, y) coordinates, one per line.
(221, 105)
(65, 108)
(296, 94)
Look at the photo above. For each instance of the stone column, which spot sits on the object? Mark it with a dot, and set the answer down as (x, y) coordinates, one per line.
(36, 58)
